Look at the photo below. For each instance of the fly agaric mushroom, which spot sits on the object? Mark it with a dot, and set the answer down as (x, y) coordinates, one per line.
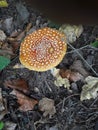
(43, 49)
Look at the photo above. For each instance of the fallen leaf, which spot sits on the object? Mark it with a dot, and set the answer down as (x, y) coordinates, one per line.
(46, 105)
(25, 102)
(19, 84)
(6, 50)
(15, 46)
(65, 73)
(23, 14)
(3, 62)
(8, 25)
(78, 66)
(20, 36)
(59, 81)
(71, 75)
(72, 32)
(90, 89)
(55, 72)
(1, 125)
(3, 3)
(15, 41)
(2, 36)
(15, 33)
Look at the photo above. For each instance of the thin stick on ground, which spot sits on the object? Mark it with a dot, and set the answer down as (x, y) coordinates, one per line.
(83, 59)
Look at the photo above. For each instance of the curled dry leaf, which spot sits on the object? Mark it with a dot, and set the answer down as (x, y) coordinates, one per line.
(71, 75)
(2, 36)
(20, 36)
(46, 105)
(6, 50)
(17, 36)
(90, 89)
(19, 84)
(78, 66)
(71, 31)
(15, 33)
(62, 82)
(25, 102)
(59, 80)
(15, 41)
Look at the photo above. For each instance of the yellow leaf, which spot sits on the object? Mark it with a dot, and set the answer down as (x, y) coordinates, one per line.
(3, 3)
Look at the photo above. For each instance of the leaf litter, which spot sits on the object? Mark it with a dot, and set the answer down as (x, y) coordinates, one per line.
(46, 105)
(66, 96)
(25, 102)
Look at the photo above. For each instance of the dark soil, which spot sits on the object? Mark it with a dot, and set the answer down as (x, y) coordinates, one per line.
(71, 113)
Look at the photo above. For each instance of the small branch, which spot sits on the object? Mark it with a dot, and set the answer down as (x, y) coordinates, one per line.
(83, 59)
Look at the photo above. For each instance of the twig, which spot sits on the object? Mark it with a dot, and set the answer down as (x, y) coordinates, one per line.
(89, 46)
(48, 86)
(83, 59)
(93, 102)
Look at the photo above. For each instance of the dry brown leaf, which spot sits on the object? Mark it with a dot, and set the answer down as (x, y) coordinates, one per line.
(75, 76)
(25, 102)
(15, 46)
(17, 36)
(6, 50)
(65, 73)
(71, 75)
(19, 84)
(15, 33)
(78, 66)
(20, 36)
(28, 27)
(15, 41)
(46, 105)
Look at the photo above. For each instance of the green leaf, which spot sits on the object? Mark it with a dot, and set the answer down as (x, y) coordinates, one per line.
(1, 125)
(3, 62)
(94, 44)
(3, 3)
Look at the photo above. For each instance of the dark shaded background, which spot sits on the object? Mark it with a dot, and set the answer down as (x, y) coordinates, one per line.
(68, 11)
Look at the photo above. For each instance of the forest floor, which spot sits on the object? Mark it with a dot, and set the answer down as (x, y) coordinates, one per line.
(31, 100)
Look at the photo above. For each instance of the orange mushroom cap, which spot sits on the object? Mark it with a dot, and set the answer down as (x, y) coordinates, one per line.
(43, 49)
